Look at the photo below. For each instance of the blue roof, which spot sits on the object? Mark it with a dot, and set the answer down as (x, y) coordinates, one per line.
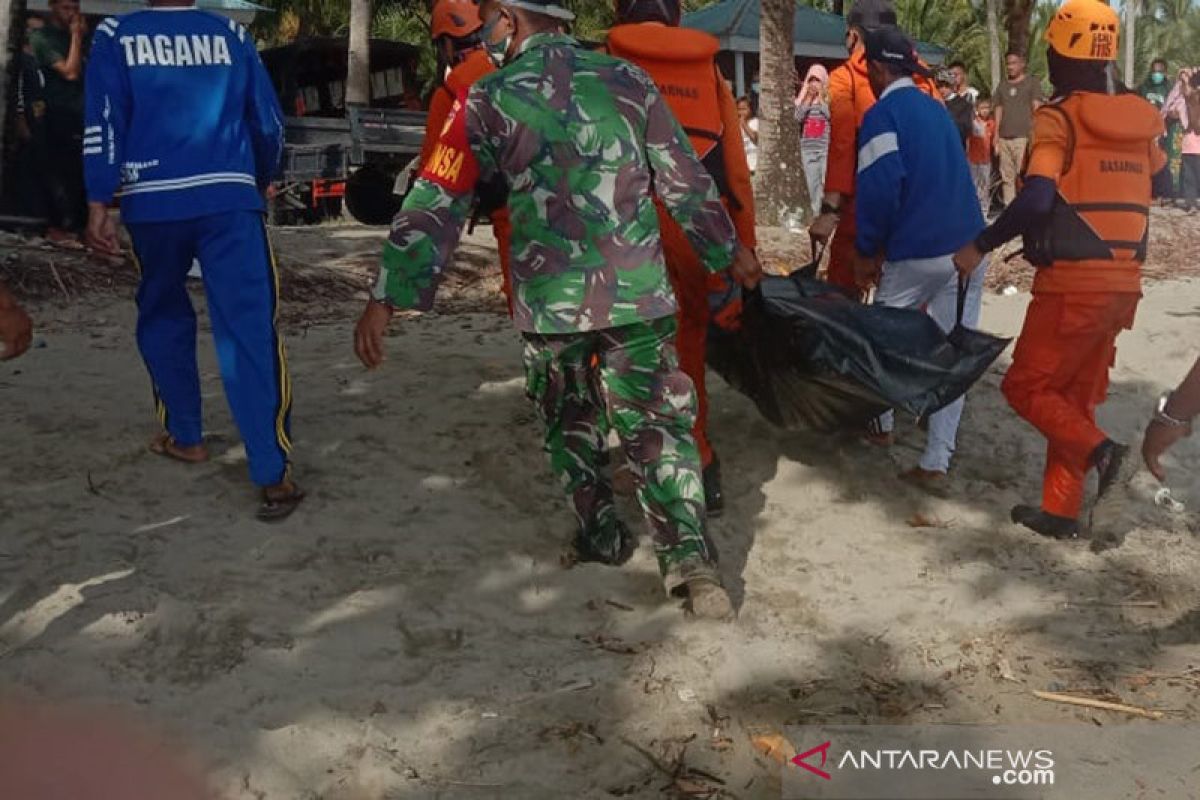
(817, 34)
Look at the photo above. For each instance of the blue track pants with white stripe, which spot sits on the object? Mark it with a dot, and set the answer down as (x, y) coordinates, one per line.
(241, 283)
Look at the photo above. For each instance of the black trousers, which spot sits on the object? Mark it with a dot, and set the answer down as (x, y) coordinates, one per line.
(1189, 178)
(64, 154)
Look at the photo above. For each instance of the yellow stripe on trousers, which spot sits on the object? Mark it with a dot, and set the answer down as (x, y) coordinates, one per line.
(160, 408)
(285, 380)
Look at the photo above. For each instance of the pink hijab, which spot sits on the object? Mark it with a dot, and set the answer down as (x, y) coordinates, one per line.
(822, 74)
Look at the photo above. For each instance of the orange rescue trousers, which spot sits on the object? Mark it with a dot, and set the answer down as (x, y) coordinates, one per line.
(689, 279)
(1059, 375)
(502, 229)
(840, 271)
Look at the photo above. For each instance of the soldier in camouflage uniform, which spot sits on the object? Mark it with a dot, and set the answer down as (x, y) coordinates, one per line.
(581, 141)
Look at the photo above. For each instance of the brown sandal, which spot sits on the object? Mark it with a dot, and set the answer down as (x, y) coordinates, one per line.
(165, 445)
(280, 507)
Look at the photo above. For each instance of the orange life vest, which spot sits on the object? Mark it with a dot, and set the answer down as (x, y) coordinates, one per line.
(1101, 214)
(681, 62)
(474, 66)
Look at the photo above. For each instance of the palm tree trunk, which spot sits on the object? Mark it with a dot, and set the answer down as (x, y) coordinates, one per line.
(1017, 14)
(12, 20)
(358, 66)
(779, 186)
(1131, 14)
(993, 27)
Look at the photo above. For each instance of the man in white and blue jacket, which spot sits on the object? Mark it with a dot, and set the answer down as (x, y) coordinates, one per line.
(916, 207)
(183, 126)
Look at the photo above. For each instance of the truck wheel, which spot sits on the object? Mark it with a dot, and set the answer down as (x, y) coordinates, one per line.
(369, 196)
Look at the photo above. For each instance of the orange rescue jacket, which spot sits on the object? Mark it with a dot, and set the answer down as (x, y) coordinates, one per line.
(688, 79)
(850, 98)
(1102, 152)
(476, 64)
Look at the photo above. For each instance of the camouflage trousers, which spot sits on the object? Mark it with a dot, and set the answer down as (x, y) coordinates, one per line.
(626, 378)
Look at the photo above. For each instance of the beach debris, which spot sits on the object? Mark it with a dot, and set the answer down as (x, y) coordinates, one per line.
(774, 746)
(922, 521)
(1163, 499)
(154, 526)
(719, 741)
(573, 733)
(613, 644)
(686, 781)
(1104, 705)
(1004, 670)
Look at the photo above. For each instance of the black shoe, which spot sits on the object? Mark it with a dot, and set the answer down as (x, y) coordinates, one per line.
(1108, 459)
(714, 498)
(614, 553)
(1040, 522)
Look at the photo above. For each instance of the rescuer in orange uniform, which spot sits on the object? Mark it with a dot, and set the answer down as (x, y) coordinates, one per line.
(682, 63)
(850, 98)
(462, 44)
(1084, 213)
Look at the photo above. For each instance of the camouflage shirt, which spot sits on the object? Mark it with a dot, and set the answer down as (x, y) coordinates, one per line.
(582, 141)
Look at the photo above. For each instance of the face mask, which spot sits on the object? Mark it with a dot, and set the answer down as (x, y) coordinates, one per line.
(497, 51)
(1158, 78)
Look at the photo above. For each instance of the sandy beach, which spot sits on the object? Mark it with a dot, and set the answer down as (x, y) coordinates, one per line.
(410, 632)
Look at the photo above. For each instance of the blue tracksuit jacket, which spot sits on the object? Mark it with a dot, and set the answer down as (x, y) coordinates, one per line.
(181, 120)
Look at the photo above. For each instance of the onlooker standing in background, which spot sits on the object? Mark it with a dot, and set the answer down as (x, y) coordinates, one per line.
(812, 112)
(1175, 115)
(1014, 104)
(58, 48)
(981, 147)
(959, 104)
(749, 132)
(1190, 146)
(27, 191)
(1155, 90)
(960, 84)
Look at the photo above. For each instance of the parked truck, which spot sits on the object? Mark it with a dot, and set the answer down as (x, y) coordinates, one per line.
(337, 158)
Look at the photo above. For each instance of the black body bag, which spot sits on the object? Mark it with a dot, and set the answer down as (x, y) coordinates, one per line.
(811, 357)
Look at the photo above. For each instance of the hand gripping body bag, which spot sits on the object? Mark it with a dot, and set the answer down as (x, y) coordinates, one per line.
(812, 358)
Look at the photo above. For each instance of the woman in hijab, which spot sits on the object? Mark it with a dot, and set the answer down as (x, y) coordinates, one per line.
(812, 112)
(1175, 113)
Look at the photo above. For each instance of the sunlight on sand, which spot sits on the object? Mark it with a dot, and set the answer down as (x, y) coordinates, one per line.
(32, 622)
(359, 604)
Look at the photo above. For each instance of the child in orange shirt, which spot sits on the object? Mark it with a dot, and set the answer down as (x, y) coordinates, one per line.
(980, 146)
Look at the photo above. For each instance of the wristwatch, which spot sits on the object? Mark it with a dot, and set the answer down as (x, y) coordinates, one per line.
(828, 208)
(1161, 416)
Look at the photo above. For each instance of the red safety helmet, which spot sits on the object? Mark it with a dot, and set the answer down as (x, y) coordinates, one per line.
(455, 18)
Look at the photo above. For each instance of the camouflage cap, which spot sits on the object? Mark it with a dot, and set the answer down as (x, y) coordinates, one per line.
(549, 8)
